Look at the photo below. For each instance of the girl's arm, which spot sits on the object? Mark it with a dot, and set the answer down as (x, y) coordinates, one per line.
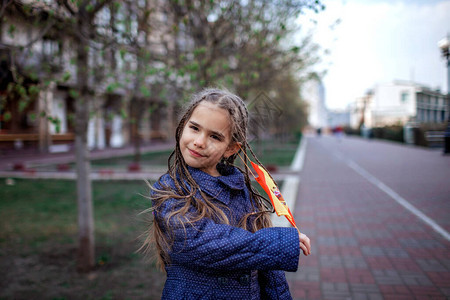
(208, 245)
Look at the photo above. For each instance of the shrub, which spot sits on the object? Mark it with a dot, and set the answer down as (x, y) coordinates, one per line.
(392, 133)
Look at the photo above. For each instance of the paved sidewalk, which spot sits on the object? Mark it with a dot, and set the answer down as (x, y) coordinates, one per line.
(33, 162)
(32, 158)
(365, 245)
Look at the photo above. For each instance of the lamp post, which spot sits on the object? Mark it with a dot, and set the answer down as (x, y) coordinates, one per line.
(444, 46)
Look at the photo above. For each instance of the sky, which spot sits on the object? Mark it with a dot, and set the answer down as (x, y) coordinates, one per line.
(378, 41)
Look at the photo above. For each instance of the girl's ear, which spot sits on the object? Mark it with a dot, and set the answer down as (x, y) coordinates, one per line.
(233, 148)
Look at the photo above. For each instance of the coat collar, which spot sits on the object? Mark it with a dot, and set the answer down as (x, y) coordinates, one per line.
(230, 179)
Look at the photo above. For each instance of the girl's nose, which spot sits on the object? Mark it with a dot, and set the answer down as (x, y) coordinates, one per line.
(200, 141)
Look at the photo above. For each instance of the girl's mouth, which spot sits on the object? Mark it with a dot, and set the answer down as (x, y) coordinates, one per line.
(194, 153)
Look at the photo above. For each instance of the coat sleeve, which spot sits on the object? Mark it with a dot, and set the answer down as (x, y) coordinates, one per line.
(209, 245)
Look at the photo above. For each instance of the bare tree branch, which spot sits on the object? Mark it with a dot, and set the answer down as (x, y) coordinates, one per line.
(68, 6)
(5, 4)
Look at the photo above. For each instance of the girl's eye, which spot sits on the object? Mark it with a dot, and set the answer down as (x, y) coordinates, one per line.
(216, 137)
(193, 127)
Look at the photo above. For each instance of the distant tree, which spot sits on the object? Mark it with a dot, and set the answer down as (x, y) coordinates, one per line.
(142, 28)
(294, 111)
(132, 17)
(246, 46)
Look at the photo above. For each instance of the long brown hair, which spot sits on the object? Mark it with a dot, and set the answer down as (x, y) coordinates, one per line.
(186, 188)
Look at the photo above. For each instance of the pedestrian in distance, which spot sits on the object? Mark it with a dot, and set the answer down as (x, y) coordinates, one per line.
(211, 229)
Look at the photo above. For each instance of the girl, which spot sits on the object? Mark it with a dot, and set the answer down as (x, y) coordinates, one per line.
(211, 229)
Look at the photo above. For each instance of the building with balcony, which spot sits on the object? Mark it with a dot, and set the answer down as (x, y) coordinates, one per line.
(397, 103)
(431, 106)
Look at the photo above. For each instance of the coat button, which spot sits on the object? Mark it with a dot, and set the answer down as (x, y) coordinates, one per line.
(223, 280)
(245, 280)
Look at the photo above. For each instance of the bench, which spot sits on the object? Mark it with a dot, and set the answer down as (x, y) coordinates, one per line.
(434, 138)
(17, 140)
(12, 137)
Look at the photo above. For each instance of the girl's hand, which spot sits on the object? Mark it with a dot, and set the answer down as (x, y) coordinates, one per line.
(305, 244)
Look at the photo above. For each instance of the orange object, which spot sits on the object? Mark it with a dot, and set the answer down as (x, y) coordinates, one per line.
(271, 189)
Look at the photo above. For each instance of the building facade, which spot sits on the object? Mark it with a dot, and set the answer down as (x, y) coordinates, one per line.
(431, 106)
(313, 92)
(397, 103)
(338, 118)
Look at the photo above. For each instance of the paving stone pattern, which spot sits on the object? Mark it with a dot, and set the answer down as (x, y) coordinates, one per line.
(364, 244)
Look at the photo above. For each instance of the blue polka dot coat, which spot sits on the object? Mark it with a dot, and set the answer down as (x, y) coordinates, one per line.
(210, 260)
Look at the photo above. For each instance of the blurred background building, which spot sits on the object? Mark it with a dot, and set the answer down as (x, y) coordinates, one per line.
(397, 103)
(313, 92)
(419, 111)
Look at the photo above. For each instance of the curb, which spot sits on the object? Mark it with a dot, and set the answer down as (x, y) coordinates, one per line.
(291, 184)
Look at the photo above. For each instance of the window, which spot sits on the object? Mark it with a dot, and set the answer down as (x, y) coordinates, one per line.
(51, 54)
(50, 48)
(404, 97)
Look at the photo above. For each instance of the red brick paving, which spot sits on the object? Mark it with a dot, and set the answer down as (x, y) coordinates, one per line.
(364, 244)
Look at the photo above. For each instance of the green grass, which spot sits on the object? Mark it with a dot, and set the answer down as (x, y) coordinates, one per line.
(149, 158)
(279, 156)
(275, 153)
(34, 211)
(38, 242)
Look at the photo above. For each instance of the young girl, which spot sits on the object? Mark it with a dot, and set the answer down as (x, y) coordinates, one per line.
(211, 229)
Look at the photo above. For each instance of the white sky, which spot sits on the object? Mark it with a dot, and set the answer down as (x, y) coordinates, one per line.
(379, 41)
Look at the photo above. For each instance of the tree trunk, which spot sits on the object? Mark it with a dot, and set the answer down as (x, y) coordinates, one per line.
(86, 247)
(86, 242)
(136, 115)
(137, 150)
(44, 106)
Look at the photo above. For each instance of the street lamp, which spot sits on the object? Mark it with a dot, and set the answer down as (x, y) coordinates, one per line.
(444, 46)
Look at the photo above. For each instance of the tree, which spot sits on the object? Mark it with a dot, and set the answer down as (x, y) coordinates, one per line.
(243, 45)
(74, 24)
(140, 44)
(144, 92)
(82, 15)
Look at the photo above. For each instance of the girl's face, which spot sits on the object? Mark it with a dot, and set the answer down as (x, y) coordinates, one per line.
(206, 138)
